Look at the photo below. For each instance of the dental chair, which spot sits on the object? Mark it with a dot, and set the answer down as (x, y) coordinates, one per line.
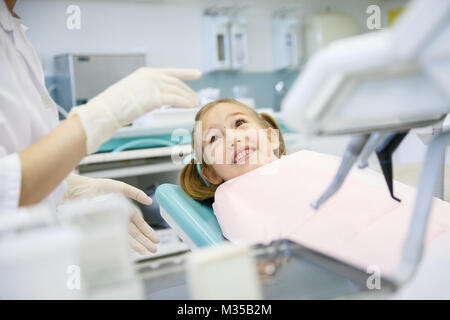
(193, 221)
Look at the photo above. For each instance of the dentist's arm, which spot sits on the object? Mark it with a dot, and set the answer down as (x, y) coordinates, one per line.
(49, 161)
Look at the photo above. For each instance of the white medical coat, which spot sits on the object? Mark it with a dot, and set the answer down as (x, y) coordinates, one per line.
(27, 112)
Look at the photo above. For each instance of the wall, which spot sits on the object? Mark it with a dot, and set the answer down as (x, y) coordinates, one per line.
(169, 31)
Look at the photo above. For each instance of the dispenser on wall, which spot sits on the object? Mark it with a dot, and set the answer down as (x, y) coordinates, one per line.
(225, 42)
(238, 42)
(285, 42)
(216, 43)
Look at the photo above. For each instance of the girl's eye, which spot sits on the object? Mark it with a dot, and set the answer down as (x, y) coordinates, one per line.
(239, 122)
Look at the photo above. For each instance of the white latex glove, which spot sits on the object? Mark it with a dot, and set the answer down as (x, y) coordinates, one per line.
(142, 237)
(142, 91)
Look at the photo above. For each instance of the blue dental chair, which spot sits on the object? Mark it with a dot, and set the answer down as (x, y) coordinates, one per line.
(194, 222)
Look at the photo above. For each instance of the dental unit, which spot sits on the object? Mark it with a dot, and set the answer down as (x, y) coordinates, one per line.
(377, 87)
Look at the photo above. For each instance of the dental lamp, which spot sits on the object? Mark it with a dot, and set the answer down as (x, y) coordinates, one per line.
(377, 87)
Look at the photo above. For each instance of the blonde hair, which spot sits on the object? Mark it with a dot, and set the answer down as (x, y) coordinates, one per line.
(190, 180)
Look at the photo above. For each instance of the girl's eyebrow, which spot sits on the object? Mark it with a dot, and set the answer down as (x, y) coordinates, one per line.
(228, 116)
(236, 113)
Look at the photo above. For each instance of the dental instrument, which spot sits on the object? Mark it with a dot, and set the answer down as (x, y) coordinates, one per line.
(384, 154)
(374, 141)
(354, 148)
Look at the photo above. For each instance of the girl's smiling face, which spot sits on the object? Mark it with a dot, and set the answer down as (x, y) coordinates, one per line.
(234, 141)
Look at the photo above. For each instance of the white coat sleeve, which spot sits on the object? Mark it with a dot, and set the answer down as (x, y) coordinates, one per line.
(10, 116)
(26, 114)
(10, 181)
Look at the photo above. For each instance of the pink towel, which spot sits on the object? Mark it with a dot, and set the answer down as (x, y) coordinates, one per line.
(361, 224)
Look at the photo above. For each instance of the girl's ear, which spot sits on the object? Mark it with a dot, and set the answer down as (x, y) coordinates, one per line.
(210, 174)
(273, 138)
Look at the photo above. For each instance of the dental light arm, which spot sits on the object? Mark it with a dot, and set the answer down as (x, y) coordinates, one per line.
(413, 245)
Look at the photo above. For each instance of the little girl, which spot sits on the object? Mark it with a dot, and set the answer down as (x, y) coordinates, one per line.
(235, 148)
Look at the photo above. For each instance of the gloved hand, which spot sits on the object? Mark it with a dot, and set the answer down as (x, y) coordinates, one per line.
(142, 236)
(142, 91)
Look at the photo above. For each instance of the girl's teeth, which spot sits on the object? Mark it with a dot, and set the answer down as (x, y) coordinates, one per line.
(242, 154)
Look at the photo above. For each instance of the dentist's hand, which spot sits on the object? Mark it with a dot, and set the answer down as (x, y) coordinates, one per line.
(142, 237)
(142, 91)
